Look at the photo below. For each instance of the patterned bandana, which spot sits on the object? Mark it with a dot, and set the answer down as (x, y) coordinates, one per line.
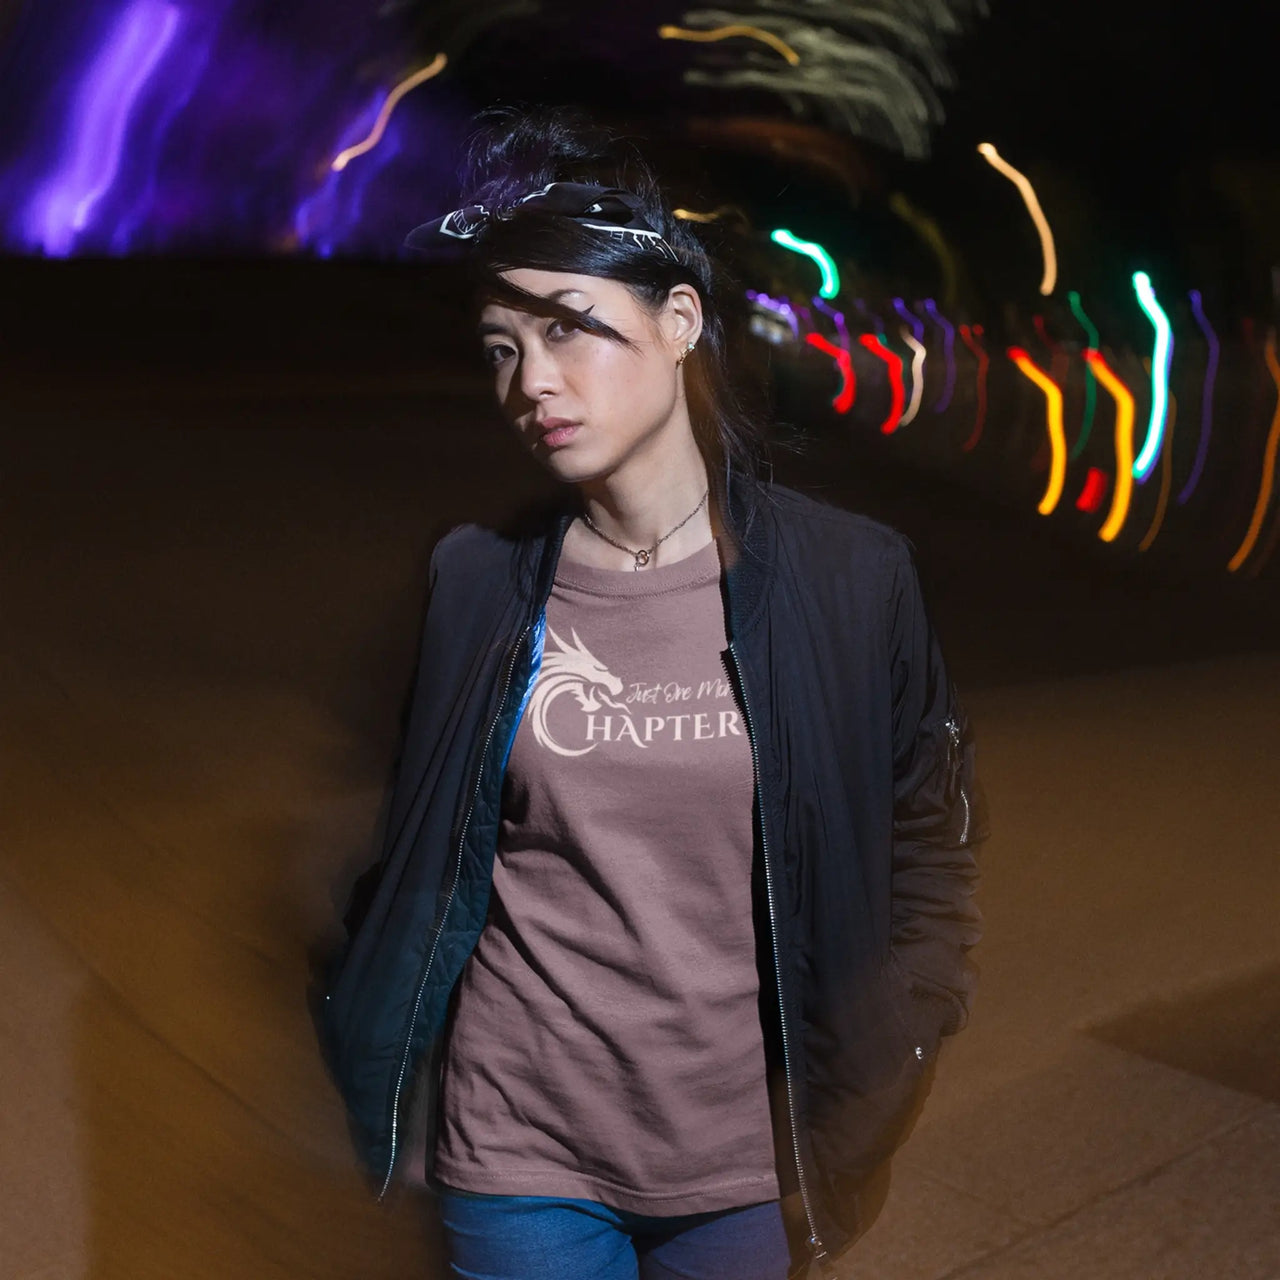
(608, 210)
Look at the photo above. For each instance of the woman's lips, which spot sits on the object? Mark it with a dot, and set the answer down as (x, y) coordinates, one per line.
(553, 436)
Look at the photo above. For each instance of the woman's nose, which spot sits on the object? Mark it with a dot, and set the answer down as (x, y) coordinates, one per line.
(539, 375)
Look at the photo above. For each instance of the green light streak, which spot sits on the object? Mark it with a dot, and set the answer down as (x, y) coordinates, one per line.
(830, 276)
(1160, 358)
(1090, 382)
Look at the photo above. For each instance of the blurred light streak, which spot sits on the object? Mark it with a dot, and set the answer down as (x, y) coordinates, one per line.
(1268, 465)
(100, 117)
(668, 32)
(1160, 358)
(1027, 191)
(969, 336)
(948, 355)
(1095, 488)
(1123, 491)
(927, 229)
(1166, 478)
(830, 276)
(1059, 361)
(339, 202)
(843, 401)
(1053, 422)
(917, 374)
(1206, 399)
(837, 318)
(433, 68)
(894, 362)
(917, 325)
(690, 215)
(784, 309)
(1090, 382)
(868, 69)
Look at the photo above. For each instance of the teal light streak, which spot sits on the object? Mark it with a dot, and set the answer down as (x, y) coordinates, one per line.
(830, 276)
(1090, 382)
(1160, 358)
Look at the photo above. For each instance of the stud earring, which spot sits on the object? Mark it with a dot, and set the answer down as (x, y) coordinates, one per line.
(685, 353)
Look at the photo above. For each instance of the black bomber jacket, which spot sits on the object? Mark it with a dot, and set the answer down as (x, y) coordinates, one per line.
(867, 812)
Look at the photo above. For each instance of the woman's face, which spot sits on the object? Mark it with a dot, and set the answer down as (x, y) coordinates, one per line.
(585, 405)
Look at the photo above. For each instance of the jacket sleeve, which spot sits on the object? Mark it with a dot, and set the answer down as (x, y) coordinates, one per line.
(939, 815)
(362, 890)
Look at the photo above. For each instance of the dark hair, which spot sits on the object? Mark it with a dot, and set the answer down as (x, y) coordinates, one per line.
(515, 150)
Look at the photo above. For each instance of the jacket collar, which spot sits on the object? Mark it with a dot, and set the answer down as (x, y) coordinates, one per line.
(747, 549)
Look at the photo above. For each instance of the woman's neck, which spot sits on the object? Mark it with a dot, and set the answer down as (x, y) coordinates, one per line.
(641, 503)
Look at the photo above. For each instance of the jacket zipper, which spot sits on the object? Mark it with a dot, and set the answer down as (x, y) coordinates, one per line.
(953, 728)
(444, 915)
(815, 1242)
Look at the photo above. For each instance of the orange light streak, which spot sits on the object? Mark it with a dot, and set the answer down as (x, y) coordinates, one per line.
(1268, 465)
(691, 215)
(433, 68)
(1123, 491)
(1053, 421)
(735, 29)
(1027, 191)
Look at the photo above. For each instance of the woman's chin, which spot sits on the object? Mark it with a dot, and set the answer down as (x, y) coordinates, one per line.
(571, 469)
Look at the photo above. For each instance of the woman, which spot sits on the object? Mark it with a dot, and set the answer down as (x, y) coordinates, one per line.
(675, 893)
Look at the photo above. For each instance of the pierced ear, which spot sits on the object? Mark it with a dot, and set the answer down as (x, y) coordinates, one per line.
(686, 304)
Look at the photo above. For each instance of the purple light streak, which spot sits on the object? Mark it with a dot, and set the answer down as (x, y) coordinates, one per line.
(98, 125)
(778, 307)
(948, 354)
(837, 318)
(320, 219)
(1206, 402)
(914, 322)
(197, 126)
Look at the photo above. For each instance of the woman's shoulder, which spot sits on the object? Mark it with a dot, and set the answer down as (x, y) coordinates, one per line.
(479, 551)
(803, 517)
(470, 555)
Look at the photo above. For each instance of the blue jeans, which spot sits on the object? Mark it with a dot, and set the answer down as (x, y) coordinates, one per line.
(494, 1237)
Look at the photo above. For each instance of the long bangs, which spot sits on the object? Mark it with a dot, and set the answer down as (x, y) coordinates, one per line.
(548, 243)
(492, 286)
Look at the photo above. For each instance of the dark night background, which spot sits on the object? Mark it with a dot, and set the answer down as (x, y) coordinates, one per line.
(233, 420)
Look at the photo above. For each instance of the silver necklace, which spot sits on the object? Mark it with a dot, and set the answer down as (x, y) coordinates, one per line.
(644, 555)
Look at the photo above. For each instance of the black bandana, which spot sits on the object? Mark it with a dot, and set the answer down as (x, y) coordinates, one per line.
(608, 210)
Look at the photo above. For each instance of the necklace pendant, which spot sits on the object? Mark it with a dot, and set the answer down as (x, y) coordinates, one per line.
(642, 558)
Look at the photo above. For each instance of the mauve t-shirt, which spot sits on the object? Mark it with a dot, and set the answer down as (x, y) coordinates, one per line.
(606, 1040)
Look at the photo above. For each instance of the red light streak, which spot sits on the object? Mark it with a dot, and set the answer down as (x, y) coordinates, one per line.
(848, 386)
(1058, 358)
(894, 362)
(1095, 489)
(968, 336)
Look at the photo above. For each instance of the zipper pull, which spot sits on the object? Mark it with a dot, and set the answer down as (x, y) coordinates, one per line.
(818, 1269)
